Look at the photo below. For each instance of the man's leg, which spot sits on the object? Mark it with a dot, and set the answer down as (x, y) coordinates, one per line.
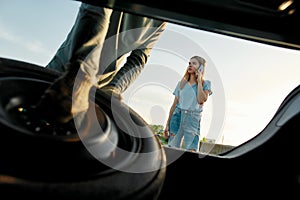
(80, 59)
(128, 73)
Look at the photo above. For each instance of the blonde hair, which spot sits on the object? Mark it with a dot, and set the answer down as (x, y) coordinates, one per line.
(185, 79)
(200, 60)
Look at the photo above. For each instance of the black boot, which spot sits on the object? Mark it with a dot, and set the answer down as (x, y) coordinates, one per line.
(66, 97)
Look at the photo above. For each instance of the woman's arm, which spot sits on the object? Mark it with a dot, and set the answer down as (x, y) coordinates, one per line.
(202, 95)
(175, 102)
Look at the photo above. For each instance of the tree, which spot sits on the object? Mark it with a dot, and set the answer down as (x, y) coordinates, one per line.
(158, 131)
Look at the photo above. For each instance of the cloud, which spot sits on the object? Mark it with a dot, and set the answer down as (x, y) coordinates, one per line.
(33, 46)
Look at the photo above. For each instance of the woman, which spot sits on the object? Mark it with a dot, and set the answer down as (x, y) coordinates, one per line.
(185, 113)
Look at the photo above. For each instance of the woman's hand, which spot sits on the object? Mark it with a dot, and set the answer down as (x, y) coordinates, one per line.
(166, 132)
(199, 76)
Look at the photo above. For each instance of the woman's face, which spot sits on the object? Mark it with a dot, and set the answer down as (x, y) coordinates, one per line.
(193, 65)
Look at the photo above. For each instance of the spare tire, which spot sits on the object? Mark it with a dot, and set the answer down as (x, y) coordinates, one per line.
(47, 165)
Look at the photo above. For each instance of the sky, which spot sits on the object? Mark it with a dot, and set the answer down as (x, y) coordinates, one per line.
(249, 80)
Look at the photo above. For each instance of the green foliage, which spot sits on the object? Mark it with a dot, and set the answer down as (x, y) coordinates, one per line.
(158, 131)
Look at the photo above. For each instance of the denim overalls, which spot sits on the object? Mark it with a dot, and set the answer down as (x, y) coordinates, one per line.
(185, 124)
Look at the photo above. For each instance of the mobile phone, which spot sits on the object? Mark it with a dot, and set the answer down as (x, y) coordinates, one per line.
(200, 69)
